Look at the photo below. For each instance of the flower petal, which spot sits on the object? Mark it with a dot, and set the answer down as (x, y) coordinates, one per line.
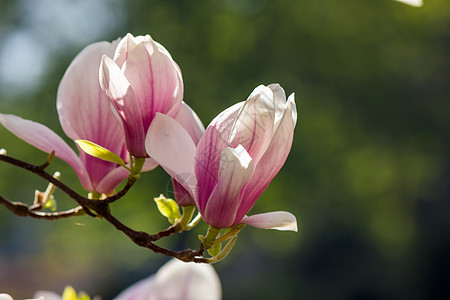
(122, 96)
(189, 281)
(149, 165)
(209, 150)
(279, 220)
(291, 103)
(112, 180)
(253, 127)
(190, 121)
(272, 160)
(169, 144)
(177, 280)
(46, 140)
(125, 45)
(84, 109)
(236, 167)
(279, 96)
(46, 295)
(141, 290)
(187, 117)
(416, 3)
(154, 77)
(182, 196)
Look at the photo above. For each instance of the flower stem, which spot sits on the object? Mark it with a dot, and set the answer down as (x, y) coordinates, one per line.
(188, 213)
(211, 235)
(136, 168)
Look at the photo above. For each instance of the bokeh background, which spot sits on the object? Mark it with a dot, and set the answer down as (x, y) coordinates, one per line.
(367, 176)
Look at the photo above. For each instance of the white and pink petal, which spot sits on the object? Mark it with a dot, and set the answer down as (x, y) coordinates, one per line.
(177, 280)
(46, 140)
(209, 150)
(279, 220)
(170, 145)
(236, 167)
(123, 98)
(271, 162)
(187, 117)
(253, 127)
(112, 180)
(154, 78)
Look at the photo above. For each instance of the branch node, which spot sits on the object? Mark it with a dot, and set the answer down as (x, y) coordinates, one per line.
(49, 160)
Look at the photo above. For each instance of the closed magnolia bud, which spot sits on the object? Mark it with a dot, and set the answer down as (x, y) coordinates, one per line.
(141, 79)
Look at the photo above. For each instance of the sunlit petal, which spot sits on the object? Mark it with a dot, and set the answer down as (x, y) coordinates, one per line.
(169, 144)
(84, 109)
(154, 79)
(272, 160)
(45, 295)
(46, 140)
(177, 280)
(279, 220)
(209, 151)
(187, 117)
(119, 90)
(416, 3)
(253, 127)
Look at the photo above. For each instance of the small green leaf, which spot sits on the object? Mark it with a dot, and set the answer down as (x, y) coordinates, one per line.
(215, 249)
(83, 296)
(100, 152)
(201, 238)
(69, 294)
(168, 208)
(51, 203)
(229, 233)
(222, 254)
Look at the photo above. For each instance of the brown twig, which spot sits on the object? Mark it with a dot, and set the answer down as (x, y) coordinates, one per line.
(101, 207)
(122, 192)
(23, 210)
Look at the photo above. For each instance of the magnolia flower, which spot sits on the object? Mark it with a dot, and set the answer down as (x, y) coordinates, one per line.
(241, 151)
(141, 80)
(177, 280)
(174, 281)
(416, 3)
(84, 113)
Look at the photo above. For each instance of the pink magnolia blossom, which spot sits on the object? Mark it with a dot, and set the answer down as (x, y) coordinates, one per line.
(241, 151)
(141, 80)
(84, 113)
(177, 280)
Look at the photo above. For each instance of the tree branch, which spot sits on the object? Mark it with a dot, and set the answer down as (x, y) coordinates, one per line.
(101, 207)
(23, 210)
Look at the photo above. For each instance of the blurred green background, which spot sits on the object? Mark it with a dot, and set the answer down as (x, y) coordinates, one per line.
(367, 176)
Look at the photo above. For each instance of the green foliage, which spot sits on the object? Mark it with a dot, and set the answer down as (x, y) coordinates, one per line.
(100, 152)
(70, 294)
(168, 208)
(215, 249)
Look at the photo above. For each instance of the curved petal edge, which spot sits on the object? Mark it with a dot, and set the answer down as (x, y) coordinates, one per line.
(279, 220)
